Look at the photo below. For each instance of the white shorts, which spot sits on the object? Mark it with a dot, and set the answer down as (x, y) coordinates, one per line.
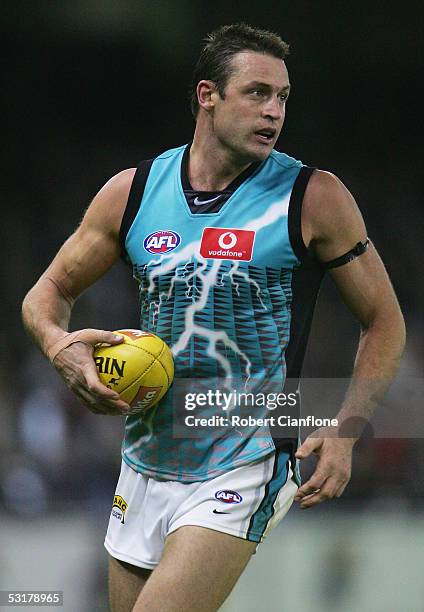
(246, 502)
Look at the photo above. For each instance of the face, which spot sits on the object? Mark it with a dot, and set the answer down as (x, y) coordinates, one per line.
(248, 120)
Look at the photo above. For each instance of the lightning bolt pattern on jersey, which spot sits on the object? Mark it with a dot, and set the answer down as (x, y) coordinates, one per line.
(217, 288)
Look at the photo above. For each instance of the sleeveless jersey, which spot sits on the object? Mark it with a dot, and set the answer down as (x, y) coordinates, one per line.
(231, 292)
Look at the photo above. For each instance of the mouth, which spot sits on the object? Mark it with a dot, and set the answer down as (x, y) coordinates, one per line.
(266, 135)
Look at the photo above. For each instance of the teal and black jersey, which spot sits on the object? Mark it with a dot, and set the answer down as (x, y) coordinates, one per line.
(231, 290)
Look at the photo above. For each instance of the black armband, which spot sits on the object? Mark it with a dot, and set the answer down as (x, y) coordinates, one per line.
(360, 248)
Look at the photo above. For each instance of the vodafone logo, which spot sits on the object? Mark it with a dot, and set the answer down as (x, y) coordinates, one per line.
(227, 243)
(225, 237)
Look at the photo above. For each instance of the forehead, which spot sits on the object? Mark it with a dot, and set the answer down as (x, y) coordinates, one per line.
(252, 66)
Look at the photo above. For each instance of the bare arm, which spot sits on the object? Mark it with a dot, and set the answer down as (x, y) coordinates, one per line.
(85, 256)
(332, 225)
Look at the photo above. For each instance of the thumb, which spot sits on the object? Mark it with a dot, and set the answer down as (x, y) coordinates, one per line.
(87, 336)
(95, 336)
(107, 337)
(308, 446)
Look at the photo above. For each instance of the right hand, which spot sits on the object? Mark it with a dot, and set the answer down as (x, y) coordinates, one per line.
(76, 365)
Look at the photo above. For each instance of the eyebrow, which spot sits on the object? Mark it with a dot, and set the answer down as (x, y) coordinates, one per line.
(266, 85)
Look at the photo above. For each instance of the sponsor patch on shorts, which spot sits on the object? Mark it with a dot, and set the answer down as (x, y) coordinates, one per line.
(119, 508)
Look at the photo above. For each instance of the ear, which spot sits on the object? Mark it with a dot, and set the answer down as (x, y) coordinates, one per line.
(205, 94)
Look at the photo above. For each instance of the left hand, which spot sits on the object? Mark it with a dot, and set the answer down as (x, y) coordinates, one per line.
(333, 470)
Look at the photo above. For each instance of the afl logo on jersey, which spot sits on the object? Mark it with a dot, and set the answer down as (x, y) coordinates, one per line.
(161, 242)
(228, 497)
(226, 243)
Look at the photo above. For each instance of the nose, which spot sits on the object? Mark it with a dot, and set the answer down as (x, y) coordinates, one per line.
(273, 109)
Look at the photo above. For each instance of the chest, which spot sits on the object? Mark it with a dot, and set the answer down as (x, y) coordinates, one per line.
(251, 227)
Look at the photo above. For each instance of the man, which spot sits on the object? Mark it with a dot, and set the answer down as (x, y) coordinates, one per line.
(246, 234)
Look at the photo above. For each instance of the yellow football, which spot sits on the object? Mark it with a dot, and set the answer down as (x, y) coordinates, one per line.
(140, 369)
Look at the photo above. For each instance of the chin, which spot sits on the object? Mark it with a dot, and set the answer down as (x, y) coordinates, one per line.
(260, 153)
(253, 153)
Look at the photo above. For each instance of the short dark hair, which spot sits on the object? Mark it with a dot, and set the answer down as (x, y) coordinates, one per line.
(214, 63)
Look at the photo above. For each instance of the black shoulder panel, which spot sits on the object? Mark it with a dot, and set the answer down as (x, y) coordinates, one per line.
(134, 202)
(306, 283)
(306, 280)
(295, 212)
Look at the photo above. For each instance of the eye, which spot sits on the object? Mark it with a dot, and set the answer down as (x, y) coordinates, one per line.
(283, 97)
(258, 92)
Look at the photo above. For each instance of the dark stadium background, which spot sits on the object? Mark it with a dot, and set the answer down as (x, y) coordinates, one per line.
(91, 88)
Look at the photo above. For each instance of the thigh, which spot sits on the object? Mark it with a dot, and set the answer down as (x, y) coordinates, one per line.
(125, 584)
(197, 572)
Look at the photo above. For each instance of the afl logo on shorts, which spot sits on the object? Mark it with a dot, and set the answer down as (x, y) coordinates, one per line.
(225, 243)
(161, 242)
(228, 497)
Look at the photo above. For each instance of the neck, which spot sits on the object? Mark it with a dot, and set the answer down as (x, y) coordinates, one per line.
(210, 166)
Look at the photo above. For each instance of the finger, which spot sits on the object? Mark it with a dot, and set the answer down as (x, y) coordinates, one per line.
(309, 445)
(330, 490)
(111, 406)
(95, 403)
(327, 492)
(87, 377)
(315, 483)
(100, 391)
(312, 500)
(341, 489)
(99, 406)
(87, 401)
(95, 386)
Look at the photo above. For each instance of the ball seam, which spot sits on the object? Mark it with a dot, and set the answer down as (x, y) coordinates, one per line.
(151, 365)
(163, 368)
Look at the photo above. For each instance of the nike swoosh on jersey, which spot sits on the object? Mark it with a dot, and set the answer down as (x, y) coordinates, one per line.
(218, 512)
(198, 202)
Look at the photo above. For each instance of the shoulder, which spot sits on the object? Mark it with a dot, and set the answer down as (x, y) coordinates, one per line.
(119, 184)
(108, 206)
(331, 220)
(325, 187)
